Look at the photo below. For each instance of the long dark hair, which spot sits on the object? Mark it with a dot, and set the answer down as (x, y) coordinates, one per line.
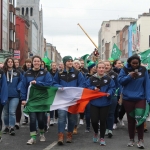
(36, 56)
(115, 62)
(24, 66)
(5, 67)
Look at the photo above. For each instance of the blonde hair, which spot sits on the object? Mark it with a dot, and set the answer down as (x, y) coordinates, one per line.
(101, 62)
(77, 61)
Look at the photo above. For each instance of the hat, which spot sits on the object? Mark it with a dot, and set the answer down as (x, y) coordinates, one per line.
(90, 65)
(66, 58)
(77, 61)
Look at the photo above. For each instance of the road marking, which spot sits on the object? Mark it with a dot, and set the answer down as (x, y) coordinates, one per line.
(51, 146)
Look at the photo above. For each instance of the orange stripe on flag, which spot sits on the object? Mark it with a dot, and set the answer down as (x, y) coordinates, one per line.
(87, 96)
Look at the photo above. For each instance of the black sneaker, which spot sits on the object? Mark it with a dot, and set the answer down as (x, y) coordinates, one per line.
(5, 131)
(12, 131)
(17, 127)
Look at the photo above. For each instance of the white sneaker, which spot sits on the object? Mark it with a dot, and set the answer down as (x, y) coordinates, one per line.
(115, 126)
(66, 128)
(148, 118)
(51, 122)
(42, 138)
(31, 141)
(81, 122)
(56, 121)
(121, 123)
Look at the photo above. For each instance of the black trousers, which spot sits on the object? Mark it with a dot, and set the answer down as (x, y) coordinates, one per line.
(99, 113)
(1, 109)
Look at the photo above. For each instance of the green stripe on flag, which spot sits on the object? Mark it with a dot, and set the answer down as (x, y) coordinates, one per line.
(40, 99)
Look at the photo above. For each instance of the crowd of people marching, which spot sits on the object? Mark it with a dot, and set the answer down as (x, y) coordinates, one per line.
(126, 87)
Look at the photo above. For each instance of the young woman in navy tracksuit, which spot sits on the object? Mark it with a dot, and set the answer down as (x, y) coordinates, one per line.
(135, 81)
(14, 78)
(3, 96)
(69, 77)
(110, 118)
(26, 67)
(41, 77)
(100, 106)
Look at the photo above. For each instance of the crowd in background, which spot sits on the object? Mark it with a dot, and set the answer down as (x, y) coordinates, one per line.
(126, 87)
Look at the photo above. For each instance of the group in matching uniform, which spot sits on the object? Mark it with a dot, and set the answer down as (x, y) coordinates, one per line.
(131, 83)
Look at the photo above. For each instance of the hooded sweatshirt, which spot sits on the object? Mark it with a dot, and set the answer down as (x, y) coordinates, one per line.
(135, 89)
(106, 84)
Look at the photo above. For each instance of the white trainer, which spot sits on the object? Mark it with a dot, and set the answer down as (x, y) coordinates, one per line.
(56, 121)
(51, 122)
(121, 123)
(31, 141)
(81, 122)
(115, 126)
(148, 118)
(42, 138)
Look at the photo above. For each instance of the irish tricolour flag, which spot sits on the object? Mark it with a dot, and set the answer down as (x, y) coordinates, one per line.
(71, 99)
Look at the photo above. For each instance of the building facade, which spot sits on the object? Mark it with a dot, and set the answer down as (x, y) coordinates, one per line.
(143, 32)
(7, 28)
(22, 35)
(33, 39)
(52, 53)
(30, 8)
(107, 31)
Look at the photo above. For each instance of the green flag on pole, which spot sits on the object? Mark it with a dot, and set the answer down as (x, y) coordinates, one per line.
(116, 52)
(47, 62)
(84, 57)
(145, 58)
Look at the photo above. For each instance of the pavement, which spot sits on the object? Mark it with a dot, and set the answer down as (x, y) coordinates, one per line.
(81, 141)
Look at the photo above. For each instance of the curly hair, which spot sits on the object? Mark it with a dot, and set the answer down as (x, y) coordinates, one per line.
(133, 57)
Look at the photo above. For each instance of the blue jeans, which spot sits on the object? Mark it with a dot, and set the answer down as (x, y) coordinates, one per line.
(37, 117)
(110, 118)
(62, 115)
(87, 116)
(9, 111)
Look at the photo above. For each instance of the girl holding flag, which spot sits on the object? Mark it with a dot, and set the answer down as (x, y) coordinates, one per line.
(37, 76)
(100, 107)
(69, 77)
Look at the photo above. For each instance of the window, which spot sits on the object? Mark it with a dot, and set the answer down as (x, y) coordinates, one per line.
(11, 2)
(14, 19)
(11, 16)
(149, 40)
(23, 11)
(11, 36)
(107, 25)
(102, 42)
(27, 11)
(31, 11)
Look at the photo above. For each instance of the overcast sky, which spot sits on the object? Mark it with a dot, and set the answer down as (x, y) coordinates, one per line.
(60, 18)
